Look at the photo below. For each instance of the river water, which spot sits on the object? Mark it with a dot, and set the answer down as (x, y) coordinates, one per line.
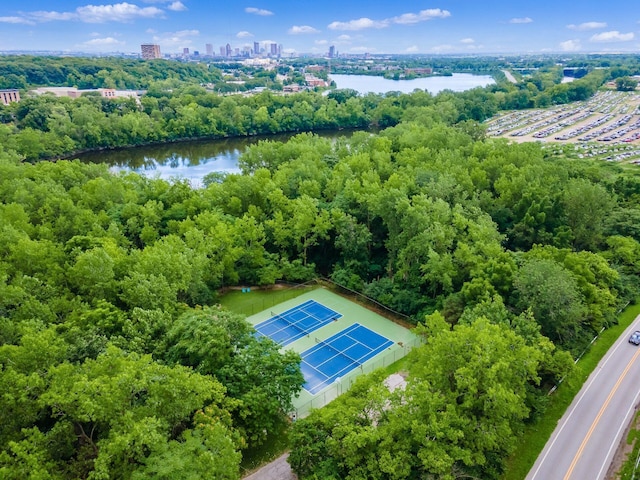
(193, 159)
(458, 82)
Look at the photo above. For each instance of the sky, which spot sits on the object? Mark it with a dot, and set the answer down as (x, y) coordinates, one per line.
(310, 27)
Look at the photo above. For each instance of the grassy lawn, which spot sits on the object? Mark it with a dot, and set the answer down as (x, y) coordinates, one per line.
(535, 436)
(257, 300)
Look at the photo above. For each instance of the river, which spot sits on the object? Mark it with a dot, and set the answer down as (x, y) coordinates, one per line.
(458, 82)
(193, 159)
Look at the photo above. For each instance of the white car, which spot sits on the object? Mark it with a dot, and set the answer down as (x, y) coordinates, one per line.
(635, 338)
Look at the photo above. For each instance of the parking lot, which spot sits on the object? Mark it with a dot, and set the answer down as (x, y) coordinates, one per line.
(606, 126)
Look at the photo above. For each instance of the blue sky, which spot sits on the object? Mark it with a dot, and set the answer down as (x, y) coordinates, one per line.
(304, 26)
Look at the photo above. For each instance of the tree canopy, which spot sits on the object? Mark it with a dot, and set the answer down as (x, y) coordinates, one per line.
(115, 361)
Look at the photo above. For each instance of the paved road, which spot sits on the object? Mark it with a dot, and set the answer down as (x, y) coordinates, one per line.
(509, 76)
(585, 440)
(279, 469)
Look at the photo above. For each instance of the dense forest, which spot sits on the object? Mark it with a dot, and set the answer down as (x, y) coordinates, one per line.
(115, 361)
(27, 71)
(44, 127)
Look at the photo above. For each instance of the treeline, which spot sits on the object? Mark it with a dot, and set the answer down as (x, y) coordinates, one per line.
(48, 127)
(115, 363)
(25, 71)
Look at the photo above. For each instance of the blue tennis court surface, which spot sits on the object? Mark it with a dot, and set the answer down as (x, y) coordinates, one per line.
(340, 354)
(296, 322)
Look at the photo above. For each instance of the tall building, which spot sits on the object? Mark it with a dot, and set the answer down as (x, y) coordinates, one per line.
(185, 51)
(256, 48)
(228, 50)
(150, 51)
(222, 50)
(8, 96)
(274, 49)
(209, 50)
(332, 51)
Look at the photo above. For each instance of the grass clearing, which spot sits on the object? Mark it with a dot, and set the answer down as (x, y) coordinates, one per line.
(249, 303)
(535, 436)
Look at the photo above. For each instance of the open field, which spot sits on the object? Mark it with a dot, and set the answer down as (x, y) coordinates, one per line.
(607, 126)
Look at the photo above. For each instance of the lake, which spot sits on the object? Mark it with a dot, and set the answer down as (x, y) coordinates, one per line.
(458, 82)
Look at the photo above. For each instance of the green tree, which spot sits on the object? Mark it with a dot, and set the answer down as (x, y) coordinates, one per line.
(552, 293)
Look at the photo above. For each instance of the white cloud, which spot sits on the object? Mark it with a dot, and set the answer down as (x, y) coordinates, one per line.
(344, 38)
(362, 49)
(119, 12)
(16, 20)
(571, 46)
(521, 20)
(612, 36)
(404, 19)
(422, 16)
(244, 34)
(180, 38)
(359, 24)
(151, 30)
(412, 49)
(177, 7)
(467, 41)
(442, 48)
(258, 11)
(302, 29)
(321, 42)
(42, 16)
(587, 26)
(103, 42)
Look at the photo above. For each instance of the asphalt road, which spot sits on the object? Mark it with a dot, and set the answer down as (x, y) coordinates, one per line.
(587, 436)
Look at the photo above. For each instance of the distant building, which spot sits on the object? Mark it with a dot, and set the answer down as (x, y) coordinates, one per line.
(209, 50)
(420, 71)
(256, 48)
(313, 81)
(150, 51)
(8, 96)
(274, 49)
(227, 50)
(185, 51)
(332, 51)
(73, 92)
(293, 88)
(222, 51)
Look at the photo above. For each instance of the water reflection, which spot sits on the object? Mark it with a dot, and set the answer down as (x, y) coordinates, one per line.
(190, 160)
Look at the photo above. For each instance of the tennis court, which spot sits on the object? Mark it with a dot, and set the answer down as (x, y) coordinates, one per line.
(339, 354)
(296, 322)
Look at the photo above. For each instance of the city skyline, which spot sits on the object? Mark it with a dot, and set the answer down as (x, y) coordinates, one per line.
(304, 27)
